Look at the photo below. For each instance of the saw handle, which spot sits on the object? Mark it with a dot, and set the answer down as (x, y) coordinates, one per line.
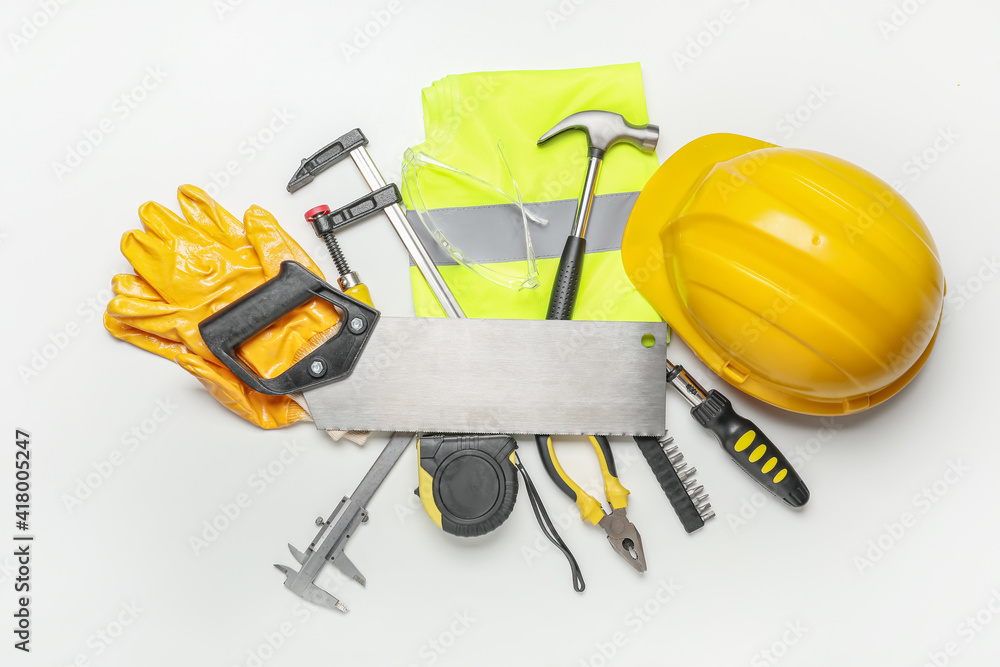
(224, 331)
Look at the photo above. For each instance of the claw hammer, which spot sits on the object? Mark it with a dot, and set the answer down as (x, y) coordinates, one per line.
(603, 130)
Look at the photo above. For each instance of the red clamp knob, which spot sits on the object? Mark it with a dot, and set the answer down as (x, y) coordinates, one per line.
(313, 212)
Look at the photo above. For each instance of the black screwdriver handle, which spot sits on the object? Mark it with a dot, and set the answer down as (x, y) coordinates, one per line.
(567, 282)
(751, 449)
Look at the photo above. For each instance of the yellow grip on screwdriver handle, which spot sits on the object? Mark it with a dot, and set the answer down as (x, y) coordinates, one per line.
(751, 449)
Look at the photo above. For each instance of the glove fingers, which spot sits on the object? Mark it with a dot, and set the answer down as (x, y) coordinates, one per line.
(127, 284)
(161, 319)
(150, 256)
(170, 228)
(260, 409)
(143, 340)
(163, 269)
(192, 275)
(131, 307)
(205, 214)
(272, 244)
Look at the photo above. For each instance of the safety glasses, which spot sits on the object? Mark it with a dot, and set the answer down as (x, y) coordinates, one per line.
(492, 239)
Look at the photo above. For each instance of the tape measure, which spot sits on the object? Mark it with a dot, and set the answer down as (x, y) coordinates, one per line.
(468, 483)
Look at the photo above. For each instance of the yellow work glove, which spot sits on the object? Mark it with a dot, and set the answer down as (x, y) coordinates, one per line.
(261, 409)
(188, 269)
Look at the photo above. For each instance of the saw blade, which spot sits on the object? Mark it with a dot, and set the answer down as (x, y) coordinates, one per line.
(502, 376)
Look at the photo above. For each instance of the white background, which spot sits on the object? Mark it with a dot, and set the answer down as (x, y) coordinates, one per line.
(894, 76)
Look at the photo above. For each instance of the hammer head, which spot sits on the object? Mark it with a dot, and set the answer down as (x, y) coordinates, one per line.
(604, 129)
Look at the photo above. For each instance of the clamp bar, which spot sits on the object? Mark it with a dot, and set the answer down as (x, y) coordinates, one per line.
(408, 236)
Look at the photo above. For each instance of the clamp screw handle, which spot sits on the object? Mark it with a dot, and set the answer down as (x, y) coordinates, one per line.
(314, 217)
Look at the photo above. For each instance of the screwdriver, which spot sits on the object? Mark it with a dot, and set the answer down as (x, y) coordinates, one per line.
(740, 438)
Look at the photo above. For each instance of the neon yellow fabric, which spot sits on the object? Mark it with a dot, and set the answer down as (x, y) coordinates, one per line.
(464, 117)
(610, 294)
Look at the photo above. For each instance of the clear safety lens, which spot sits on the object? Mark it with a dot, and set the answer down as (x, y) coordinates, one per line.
(492, 239)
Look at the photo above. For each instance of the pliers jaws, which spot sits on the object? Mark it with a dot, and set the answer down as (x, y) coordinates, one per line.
(624, 538)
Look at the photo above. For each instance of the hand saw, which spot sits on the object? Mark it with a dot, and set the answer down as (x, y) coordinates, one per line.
(455, 375)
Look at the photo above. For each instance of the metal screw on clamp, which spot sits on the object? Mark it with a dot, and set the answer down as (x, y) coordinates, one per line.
(323, 224)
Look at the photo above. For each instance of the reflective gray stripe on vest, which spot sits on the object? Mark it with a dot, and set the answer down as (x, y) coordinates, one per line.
(499, 239)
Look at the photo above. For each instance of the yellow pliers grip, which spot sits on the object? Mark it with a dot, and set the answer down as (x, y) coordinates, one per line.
(590, 509)
(613, 489)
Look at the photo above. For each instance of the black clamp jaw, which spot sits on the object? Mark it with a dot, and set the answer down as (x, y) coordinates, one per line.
(325, 158)
(326, 222)
(224, 331)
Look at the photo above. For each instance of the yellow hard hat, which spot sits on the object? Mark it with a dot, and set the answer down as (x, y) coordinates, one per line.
(797, 277)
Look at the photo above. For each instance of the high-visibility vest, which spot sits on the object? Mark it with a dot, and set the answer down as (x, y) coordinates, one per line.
(464, 118)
